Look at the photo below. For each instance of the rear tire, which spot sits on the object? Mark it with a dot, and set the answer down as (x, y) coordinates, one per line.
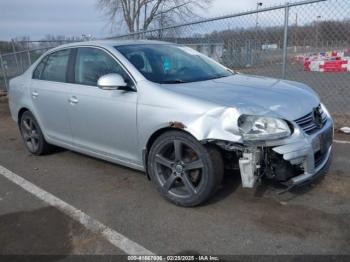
(183, 170)
(32, 135)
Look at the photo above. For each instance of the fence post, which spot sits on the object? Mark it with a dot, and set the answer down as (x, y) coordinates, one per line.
(15, 54)
(3, 72)
(285, 41)
(29, 58)
(28, 54)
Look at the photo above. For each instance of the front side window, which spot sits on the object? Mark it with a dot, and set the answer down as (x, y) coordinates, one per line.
(172, 64)
(55, 66)
(92, 63)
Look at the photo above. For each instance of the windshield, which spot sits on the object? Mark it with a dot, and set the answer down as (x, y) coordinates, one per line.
(171, 64)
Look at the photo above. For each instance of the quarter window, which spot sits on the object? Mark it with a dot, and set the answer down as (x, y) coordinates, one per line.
(55, 67)
(39, 69)
(92, 63)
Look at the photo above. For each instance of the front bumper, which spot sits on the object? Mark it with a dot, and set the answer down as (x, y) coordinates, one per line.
(312, 153)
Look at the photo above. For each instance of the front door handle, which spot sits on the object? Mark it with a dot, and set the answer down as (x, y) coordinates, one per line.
(35, 94)
(73, 100)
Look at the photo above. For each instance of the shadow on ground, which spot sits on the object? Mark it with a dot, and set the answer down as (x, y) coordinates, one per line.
(42, 231)
(230, 183)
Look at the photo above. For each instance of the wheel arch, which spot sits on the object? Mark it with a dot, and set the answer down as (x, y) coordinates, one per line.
(27, 109)
(20, 113)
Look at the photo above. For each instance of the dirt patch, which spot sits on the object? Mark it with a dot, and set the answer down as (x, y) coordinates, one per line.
(3, 99)
(341, 120)
(337, 183)
(4, 110)
(341, 135)
(85, 242)
(305, 223)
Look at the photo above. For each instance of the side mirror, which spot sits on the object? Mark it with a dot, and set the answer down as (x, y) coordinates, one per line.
(112, 82)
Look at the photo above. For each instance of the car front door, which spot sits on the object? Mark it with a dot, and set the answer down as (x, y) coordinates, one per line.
(102, 121)
(49, 94)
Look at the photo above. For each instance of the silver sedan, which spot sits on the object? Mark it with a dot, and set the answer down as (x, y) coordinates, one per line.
(174, 113)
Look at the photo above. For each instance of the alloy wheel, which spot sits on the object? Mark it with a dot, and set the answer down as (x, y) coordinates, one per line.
(179, 169)
(30, 134)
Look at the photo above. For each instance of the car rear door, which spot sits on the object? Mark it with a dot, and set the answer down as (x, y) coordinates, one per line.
(49, 94)
(102, 121)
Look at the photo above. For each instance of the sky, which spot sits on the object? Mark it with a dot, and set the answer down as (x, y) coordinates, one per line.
(37, 18)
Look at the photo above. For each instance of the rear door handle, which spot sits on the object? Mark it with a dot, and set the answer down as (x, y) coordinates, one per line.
(73, 100)
(35, 94)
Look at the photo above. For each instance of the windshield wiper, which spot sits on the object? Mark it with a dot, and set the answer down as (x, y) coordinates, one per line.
(175, 81)
(231, 71)
(217, 77)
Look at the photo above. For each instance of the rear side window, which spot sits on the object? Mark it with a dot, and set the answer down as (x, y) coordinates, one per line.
(92, 63)
(54, 67)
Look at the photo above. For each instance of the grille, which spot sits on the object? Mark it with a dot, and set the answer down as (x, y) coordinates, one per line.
(309, 123)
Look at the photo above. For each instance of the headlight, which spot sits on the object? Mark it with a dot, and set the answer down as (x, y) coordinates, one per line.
(256, 128)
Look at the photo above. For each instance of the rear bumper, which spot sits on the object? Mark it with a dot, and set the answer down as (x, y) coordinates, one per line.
(312, 153)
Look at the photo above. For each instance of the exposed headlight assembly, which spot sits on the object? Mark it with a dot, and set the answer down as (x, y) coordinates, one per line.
(257, 128)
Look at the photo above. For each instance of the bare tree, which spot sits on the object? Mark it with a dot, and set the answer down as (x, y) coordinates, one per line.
(140, 14)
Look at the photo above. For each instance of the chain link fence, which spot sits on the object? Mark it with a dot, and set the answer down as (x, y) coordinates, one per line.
(24, 54)
(14, 64)
(305, 41)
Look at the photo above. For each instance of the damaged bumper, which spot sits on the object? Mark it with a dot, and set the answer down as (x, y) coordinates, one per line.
(312, 153)
(300, 159)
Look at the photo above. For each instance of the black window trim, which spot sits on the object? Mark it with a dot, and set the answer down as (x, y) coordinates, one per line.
(39, 63)
(70, 74)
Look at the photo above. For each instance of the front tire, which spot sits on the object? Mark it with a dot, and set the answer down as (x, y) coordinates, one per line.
(183, 170)
(32, 135)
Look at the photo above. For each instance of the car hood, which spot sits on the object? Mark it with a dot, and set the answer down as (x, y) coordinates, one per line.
(254, 95)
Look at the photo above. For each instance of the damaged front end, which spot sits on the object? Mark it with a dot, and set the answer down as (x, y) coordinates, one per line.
(292, 161)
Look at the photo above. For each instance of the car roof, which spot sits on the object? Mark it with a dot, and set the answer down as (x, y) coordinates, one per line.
(112, 43)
